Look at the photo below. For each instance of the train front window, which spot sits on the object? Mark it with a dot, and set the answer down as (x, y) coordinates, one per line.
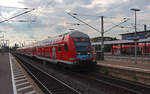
(82, 44)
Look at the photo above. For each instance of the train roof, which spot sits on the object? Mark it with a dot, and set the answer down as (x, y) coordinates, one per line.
(52, 40)
(134, 32)
(78, 34)
(75, 33)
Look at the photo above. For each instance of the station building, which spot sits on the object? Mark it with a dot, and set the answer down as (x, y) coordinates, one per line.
(98, 40)
(139, 35)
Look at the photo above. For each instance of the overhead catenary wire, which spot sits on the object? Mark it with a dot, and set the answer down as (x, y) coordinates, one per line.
(86, 15)
(93, 16)
(17, 15)
(83, 22)
(77, 24)
(13, 7)
(125, 20)
(116, 25)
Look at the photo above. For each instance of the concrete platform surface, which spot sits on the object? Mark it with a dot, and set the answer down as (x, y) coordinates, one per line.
(5, 75)
(143, 66)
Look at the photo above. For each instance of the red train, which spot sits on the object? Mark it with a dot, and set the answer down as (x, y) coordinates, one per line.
(130, 49)
(71, 49)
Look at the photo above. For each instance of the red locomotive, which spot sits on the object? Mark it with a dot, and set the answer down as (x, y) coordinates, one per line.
(72, 49)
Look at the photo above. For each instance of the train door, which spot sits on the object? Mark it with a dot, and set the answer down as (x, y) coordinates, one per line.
(118, 51)
(53, 52)
(65, 53)
(36, 51)
(59, 51)
(140, 50)
(148, 50)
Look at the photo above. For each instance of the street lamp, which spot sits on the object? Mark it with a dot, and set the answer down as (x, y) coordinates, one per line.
(135, 10)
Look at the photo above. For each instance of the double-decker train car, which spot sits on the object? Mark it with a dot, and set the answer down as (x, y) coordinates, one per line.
(130, 49)
(71, 49)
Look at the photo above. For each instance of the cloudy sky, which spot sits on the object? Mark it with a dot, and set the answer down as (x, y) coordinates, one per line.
(50, 17)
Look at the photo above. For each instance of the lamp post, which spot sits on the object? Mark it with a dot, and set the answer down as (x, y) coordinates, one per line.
(102, 38)
(145, 29)
(135, 10)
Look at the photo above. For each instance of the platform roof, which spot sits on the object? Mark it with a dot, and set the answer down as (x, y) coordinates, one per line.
(134, 32)
(121, 41)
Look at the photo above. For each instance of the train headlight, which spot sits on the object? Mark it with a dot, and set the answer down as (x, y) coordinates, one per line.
(78, 53)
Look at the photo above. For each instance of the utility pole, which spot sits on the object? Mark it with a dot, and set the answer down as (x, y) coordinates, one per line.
(102, 38)
(135, 40)
(3, 40)
(145, 27)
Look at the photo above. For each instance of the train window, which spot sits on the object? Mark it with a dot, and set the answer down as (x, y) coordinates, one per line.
(66, 47)
(80, 39)
(76, 39)
(59, 48)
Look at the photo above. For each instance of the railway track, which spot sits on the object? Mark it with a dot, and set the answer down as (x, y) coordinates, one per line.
(48, 83)
(134, 87)
(101, 83)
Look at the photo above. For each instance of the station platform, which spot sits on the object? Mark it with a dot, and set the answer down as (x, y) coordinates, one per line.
(5, 74)
(139, 66)
(14, 79)
(139, 72)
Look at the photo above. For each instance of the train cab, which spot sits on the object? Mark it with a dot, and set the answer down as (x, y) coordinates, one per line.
(81, 48)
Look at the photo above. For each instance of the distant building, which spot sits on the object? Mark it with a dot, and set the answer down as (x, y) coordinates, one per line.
(139, 35)
(127, 43)
(107, 48)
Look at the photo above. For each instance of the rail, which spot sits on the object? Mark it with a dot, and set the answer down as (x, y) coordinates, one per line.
(48, 83)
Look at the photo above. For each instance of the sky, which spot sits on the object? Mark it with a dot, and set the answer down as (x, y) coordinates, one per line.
(50, 18)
